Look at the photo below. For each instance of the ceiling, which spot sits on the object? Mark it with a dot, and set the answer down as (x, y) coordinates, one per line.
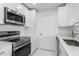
(43, 6)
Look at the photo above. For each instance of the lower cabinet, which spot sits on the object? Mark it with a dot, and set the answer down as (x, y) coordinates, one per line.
(6, 51)
(62, 51)
(33, 45)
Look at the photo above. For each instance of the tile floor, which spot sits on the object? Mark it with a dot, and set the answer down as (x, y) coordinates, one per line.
(41, 52)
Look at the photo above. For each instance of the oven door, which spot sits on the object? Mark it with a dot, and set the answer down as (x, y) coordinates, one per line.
(23, 51)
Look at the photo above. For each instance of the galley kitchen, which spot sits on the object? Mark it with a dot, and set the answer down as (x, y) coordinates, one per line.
(39, 29)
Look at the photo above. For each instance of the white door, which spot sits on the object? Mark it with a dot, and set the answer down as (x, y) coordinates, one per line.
(46, 32)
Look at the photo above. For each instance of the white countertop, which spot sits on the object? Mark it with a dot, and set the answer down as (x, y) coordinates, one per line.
(71, 50)
(4, 44)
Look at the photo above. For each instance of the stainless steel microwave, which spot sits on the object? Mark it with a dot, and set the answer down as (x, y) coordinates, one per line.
(13, 17)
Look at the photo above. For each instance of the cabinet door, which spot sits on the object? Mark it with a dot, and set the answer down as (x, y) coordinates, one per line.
(73, 12)
(33, 45)
(62, 16)
(62, 51)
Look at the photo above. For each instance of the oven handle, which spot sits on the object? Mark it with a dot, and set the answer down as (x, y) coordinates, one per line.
(20, 46)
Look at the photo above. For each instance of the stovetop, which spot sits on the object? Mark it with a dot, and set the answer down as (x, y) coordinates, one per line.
(14, 37)
(18, 40)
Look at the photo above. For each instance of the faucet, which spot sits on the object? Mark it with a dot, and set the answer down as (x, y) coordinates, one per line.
(73, 28)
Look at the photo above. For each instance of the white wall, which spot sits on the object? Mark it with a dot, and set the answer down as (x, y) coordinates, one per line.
(65, 31)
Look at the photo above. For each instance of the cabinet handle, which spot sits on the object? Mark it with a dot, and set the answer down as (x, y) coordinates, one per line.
(1, 52)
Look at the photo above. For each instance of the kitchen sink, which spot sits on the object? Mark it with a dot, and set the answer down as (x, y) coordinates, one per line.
(71, 42)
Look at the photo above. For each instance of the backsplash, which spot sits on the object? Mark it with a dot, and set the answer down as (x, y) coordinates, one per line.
(76, 31)
(68, 31)
(65, 30)
(23, 31)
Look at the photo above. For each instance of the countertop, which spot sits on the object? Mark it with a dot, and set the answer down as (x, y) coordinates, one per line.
(4, 44)
(71, 50)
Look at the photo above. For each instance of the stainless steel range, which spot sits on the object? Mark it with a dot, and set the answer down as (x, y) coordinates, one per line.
(21, 45)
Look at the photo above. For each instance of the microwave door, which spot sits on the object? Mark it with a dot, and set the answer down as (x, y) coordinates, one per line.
(11, 17)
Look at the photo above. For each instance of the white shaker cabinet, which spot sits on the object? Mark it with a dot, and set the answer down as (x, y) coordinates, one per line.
(63, 16)
(73, 12)
(68, 14)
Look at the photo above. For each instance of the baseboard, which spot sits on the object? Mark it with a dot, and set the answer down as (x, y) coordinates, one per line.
(46, 49)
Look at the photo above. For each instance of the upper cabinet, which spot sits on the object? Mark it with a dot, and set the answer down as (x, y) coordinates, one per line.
(73, 12)
(30, 20)
(68, 14)
(63, 16)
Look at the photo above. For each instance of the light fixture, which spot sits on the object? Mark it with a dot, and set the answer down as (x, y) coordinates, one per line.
(18, 7)
(34, 4)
